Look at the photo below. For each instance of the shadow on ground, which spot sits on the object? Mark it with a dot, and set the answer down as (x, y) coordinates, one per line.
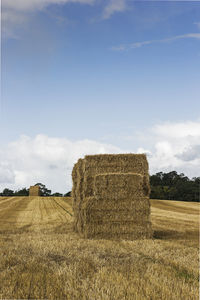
(171, 234)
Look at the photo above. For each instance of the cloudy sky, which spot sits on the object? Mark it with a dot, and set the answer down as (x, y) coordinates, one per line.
(98, 76)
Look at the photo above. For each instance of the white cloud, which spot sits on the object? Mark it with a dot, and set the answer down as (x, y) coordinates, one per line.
(192, 153)
(17, 12)
(7, 175)
(119, 48)
(45, 159)
(142, 150)
(178, 130)
(176, 147)
(114, 6)
(10, 21)
(31, 5)
(26, 161)
(166, 40)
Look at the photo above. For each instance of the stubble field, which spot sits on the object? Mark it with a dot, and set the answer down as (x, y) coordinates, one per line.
(42, 258)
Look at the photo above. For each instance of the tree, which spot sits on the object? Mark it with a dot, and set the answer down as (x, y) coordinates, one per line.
(196, 181)
(156, 179)
(7, 193)
(22, 192)
(174, 186)
(157, 192)
(57, 195)
(43, 190)
(68, 194)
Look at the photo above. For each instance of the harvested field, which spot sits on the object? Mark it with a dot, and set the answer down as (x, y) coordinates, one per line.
(42, 258)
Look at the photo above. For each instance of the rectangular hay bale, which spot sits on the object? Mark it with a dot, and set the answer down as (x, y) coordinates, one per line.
(104, 216)
(119, 186)
(129, 203)
(34, 190)
(111, 196)
(111, 163)
(115, 229)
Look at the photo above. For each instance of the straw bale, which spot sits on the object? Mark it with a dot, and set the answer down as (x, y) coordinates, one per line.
(74, 189)
(114, 215)
(79, 192)
(133, 203)
(146, 185)
(119, 186)
(34, 190)
(111, 196)
(112, 163)
(77, 177)
(117, 163)
(74, 179)
(118, 229)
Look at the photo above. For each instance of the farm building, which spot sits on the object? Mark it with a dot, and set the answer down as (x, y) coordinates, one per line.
(34, 190)
(111, 196)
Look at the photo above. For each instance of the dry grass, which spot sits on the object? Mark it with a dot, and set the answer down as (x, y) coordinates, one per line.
(42, 258)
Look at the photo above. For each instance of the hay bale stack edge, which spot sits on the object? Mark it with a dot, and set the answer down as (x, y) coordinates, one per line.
(111, 196)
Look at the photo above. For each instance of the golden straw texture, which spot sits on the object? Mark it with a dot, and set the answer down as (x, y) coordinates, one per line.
(111, 196)
(34, 190)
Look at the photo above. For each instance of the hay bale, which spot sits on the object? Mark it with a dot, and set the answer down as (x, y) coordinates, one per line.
(133, 203)
(114, 215)
(116, 163)
(120, 206)
(77, 177)
(118, 229)
(120, 186)
(111, 196)
(34, 190)
(111, 163)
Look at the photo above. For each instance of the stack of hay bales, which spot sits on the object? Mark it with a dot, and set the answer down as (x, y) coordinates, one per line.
(34, 190)
(111, 196)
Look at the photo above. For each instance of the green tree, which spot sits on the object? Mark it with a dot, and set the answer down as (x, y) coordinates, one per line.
(68, 194)
(22, 192)
(7, 193)
(196, 181)
(57, 195)
(174, 186)
(43, 190)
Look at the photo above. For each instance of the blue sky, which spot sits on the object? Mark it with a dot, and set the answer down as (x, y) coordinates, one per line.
(120, 74)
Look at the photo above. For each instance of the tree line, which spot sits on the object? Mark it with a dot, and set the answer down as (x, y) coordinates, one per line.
(44, 192)
(166, 186)
(174, 186)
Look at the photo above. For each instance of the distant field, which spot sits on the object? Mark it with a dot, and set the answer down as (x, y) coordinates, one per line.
(42, 258)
